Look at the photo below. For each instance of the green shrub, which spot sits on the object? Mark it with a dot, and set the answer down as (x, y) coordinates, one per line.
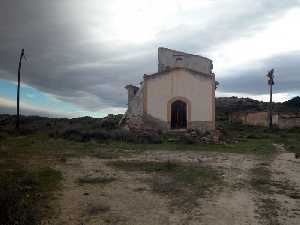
(111, 121)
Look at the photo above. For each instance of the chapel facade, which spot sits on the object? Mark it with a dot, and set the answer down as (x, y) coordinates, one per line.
(181, 95)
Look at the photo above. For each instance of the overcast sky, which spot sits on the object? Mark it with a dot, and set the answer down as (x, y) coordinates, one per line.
(81, 54)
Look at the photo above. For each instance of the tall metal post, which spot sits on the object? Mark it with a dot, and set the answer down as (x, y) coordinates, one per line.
(18, 90)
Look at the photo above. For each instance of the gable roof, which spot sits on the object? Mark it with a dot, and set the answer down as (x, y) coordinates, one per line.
(154, 75)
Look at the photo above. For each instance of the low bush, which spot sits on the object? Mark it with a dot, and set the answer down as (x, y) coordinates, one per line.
(111, 121)
(84, 136)
(102, 134)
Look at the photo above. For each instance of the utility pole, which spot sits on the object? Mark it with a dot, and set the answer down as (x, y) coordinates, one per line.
(270, 76)
(18, 90)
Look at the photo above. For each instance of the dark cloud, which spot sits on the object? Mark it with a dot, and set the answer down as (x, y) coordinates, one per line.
(253, 80)
(65, 61)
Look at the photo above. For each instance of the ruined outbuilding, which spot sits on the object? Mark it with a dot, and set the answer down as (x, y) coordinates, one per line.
(181, 95)
(282, 120)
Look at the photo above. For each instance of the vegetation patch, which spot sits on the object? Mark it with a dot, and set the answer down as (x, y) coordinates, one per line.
(235, 138)
(144, 166)
(259, 139)
(267, 207)
(261, 179)
(95, 180)
(94, 210)
(105, 153)
(24, 194)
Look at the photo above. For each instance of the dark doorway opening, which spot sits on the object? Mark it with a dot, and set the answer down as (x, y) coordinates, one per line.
(178, 115)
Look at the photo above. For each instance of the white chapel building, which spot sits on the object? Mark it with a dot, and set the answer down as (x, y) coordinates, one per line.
(181, 95)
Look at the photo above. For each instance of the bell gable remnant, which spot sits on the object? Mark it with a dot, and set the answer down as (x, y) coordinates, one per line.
(180, 96)
(168, 59)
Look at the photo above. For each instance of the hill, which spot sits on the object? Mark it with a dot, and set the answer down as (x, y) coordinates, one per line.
(226, 105)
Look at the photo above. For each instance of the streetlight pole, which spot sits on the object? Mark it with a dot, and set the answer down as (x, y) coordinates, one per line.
(18, 90)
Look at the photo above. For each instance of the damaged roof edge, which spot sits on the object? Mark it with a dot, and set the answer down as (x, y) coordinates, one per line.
(177, 68)
(130, 85)
(184, 53)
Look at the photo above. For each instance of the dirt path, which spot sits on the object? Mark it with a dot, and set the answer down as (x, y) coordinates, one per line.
(286, 175)
(128, 199)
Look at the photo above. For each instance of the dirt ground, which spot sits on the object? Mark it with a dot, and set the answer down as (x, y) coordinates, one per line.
(129, 200)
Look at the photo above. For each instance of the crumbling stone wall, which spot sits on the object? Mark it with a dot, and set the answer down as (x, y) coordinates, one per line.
(253, 118)
(136, 103)
(135, 119)
(261, 119)
(281, 120)
(286, 121)
(237, 117)
(141, 123)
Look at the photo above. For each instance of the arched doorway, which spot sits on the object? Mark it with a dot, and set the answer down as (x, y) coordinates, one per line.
(178, 115)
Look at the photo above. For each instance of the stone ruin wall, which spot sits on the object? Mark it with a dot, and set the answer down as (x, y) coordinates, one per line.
(136, 103)
(288, 121)
(280, 120)
(135, 119)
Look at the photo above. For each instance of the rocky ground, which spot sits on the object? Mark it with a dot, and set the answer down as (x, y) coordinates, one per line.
(255, 189)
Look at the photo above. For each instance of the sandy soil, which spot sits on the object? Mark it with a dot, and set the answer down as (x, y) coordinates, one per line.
(128, 200)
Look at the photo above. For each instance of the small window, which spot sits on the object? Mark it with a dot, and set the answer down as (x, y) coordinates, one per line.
(178, 57)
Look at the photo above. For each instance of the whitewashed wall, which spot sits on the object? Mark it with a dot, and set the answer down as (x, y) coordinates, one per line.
(180, 83)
